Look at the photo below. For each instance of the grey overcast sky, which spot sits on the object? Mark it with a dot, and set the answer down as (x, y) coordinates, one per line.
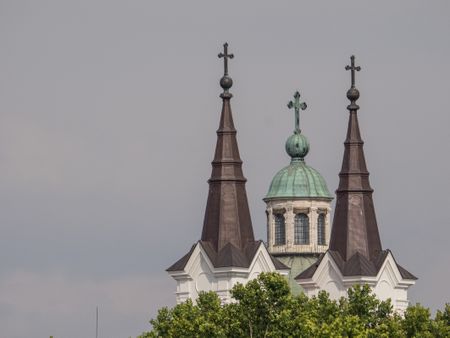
(108, 112)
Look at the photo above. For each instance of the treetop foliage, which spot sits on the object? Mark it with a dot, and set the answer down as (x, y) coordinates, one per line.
(264, 307)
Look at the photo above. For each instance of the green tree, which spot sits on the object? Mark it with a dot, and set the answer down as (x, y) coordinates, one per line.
(259, 304)
(441, 324)
(264, 307)
(417, 322)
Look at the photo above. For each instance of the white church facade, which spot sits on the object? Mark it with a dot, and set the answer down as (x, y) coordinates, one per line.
(201, 274)
(313, 251)
(388, 282)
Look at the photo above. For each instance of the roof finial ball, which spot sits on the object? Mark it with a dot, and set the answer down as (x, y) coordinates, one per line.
(353, 93)
(225, 82)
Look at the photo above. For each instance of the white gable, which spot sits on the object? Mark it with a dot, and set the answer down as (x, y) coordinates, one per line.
(388, 283)
(199, 274)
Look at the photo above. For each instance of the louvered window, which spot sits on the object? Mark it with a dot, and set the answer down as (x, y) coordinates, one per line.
(280, 230)
(301, 229)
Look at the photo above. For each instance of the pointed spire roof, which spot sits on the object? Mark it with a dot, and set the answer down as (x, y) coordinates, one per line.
(355, 244)
(227, 216)
(227, 236)
(355, 227)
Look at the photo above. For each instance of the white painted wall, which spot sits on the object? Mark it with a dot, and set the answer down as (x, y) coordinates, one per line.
(200, 275)
(387, 284)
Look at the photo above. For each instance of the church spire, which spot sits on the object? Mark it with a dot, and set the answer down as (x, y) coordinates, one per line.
(227, 216)
(355, 227)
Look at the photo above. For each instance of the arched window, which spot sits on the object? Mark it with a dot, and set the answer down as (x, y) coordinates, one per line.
(321, 229)
(280, 229)
(301, 229)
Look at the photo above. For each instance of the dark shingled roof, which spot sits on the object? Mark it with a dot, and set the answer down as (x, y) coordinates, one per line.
(229, 256)
(357, 265)
(227, 215)
(227, 235)
(181, 263)
(355, 244)
(354, 224)
(309, 272)
(405, 273)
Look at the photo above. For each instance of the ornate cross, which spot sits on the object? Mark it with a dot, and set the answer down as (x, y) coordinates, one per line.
(225, 57)
(297, 105)
(353, 68)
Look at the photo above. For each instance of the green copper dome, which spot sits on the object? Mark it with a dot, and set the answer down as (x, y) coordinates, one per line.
(298, 180)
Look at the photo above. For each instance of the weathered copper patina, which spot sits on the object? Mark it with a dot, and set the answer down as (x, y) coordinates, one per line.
(297, 105)
(297, 180)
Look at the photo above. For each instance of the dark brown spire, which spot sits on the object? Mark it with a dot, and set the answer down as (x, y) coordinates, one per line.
(227, 215)
(354, 225)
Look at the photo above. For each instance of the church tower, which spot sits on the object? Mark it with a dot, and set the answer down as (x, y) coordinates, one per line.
(355, 255)
(298, 207)
(227, 252)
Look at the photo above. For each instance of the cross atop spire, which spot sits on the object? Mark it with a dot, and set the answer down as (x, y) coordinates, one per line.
(297, 105)
(225, 82)
(353, 93)
(225, 57)
(353, 68)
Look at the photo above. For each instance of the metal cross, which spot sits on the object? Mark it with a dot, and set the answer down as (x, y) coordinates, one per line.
(225, 57)
(297, 105)
(353, 68)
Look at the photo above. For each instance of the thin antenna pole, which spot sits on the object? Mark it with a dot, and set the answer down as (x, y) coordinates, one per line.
(96, 323)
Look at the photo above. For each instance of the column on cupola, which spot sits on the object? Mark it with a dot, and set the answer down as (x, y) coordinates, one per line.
(313, 228)
(289, 219)
(295, 190)
(269, 228)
